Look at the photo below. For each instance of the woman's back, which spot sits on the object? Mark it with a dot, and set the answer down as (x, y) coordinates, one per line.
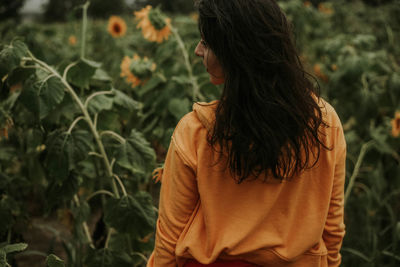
(273, 223)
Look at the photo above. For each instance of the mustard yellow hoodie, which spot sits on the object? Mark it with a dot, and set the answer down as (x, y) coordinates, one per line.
(205, 215)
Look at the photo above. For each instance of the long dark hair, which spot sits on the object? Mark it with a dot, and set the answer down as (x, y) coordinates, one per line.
(268, 117)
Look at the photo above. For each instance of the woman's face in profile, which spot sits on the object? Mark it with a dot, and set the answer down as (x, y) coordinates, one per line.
(211, 62)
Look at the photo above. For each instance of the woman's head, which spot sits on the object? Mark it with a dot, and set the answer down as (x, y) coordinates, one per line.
(267, 117)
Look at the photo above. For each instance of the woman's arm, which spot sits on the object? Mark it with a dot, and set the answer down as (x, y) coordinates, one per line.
(178, 199)
(334, 229)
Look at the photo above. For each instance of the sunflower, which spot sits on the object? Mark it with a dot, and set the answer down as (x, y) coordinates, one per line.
(72, 40)
(396, 124)
(136, 70)
(116, 26)
(155, 27)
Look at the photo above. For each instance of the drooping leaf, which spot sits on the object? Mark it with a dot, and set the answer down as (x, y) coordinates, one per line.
(54, 261)
(135, 154)
(133, 215)
(51, 94)
(99, 103)
(42, 97)
(81, 73)
(125, 101)
(101, 75)
(107, 258)
(14, 247)
(57, 160)
(66, 150)
(10, 57)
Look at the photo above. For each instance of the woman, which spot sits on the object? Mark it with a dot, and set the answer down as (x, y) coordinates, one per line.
(256, 178)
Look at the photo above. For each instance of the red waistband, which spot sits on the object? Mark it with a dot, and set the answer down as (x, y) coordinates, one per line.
(220, 263)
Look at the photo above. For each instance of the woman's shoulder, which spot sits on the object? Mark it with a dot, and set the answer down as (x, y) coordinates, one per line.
(191, 132)
(329, 114)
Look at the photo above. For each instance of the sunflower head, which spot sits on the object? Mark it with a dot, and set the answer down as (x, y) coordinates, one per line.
(137, 70)
(142, 68)
(155, 26)
(157, 19)
(395, 122)
(116, 26)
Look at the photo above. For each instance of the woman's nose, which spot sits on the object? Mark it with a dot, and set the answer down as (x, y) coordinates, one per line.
(199, 50)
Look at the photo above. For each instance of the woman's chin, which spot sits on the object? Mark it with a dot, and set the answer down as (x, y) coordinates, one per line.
(216, 81)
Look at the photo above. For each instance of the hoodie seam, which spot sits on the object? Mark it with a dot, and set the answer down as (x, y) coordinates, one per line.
(182, 155)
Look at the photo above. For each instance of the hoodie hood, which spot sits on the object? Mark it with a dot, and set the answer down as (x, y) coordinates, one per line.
(205, 112)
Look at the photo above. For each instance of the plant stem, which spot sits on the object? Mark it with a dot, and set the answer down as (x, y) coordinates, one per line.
(84, 224)
(114, 135)
(88, 120)
(84, 27)
(196, 89)
(100, 192)
(363, 151)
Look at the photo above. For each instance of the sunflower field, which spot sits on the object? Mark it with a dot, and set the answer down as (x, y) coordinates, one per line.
(88, 106)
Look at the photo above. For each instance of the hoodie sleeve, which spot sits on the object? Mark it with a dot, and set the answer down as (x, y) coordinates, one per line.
(178, 200)
(334, 229)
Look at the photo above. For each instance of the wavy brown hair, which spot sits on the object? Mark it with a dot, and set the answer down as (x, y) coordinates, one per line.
(267, 118)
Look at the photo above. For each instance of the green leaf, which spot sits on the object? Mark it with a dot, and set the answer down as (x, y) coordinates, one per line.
(154, 81)
(51, 94)
(135, 154)
(179, 107)
(107, 258)
(82, 212)
(19, 75)
(59, 192)
(15, 247)
(57, 160)
(42, 97)
(101, 75)
(7, 152)
(125, 101)
(133, 215)
(29, 96)
(65, 151)
(81, 73)
(20, 48)
(54, 261)
(3, 259)
(99, 103)
(10, 57)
